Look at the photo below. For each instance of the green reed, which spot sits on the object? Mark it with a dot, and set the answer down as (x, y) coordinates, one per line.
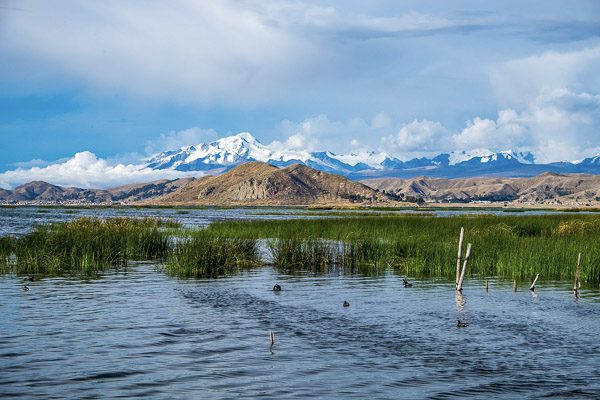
(514, 247)
(209, 256)
(89, 245)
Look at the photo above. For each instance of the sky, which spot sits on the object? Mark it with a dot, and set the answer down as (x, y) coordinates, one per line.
(100, 85)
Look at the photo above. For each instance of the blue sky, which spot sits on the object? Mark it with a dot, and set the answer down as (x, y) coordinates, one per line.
(408, 77)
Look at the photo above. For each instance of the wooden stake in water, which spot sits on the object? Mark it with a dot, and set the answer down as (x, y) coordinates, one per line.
(464, 268)
(271, 338)
(459, 257)
(532, 287)
(487, 285)
(577, 284)
(515, 285)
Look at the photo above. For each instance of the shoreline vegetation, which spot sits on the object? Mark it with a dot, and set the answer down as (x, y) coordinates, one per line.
(511, 247)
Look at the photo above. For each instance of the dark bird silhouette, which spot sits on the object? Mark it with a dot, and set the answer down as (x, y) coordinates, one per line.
(346, 304)
(407, 284)
(277, 288)
(24, 288)
(460, 324)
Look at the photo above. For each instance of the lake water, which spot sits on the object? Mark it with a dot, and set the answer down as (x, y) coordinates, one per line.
(139, 333)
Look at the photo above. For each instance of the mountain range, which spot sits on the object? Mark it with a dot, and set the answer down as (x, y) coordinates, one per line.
(548, 188)
(227, 152)
(257, 183)
(252, 183)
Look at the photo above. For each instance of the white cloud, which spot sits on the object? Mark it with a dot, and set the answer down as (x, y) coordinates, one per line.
(86, 170)
(176, 139)
(519, 82)
(509, 131)
(417, 138)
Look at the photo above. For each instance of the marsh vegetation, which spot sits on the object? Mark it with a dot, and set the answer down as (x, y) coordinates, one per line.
(85, 246)
(512, 247)
(509, 246)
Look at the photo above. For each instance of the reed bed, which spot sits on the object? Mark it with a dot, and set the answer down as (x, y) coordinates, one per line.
(88, 245)
(511, 247)
(208, 256)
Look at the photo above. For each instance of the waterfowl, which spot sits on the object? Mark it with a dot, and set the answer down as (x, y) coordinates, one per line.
(24, 288)
(346, 304)
(407, 284)
(460, 324)
(277, 288)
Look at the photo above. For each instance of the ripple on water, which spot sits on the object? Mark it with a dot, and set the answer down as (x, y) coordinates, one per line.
(138, 333)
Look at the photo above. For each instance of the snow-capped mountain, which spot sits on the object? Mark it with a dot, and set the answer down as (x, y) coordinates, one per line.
(233, 150)
(230, 151)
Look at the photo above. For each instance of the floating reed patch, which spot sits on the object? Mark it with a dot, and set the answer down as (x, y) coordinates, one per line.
(89, 245)
(208, 256)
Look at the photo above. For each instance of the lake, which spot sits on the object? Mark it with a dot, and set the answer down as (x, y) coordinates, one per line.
(137, 332)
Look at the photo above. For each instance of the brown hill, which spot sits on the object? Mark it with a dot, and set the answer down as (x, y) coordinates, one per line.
(39, 192)
(547, 188)
(257, 183)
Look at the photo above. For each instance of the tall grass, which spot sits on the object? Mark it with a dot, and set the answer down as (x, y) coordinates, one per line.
(515, 247)
(88, 245)
(208, 256)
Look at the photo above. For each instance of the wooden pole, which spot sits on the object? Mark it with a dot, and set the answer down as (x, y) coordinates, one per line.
(515, 285)
(532, 287)
(271, 338)
(464, 268)
(577, 284)
(487, 285)
(459, 257)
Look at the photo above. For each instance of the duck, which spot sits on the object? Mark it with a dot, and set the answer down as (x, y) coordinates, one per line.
(346, 304)
(277, 288)
(460, 324)
(407, 284)
(24, 288)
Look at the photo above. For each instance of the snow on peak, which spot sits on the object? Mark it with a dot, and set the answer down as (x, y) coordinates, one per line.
(457, 157)
(369, 158)
(486, 155)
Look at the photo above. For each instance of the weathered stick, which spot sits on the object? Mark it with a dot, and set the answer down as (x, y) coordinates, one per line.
(459, 257)
(464, 268)
(577, 284)
(532, 287)
(271, 338)
(487, 285)
(515, 285)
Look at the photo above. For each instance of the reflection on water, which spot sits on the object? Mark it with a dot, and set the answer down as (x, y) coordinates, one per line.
(139, 333)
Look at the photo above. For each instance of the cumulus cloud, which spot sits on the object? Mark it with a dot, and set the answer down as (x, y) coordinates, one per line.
(86, 170)
(557, 125)
(417, 138)
(322, 133)
(176, 139)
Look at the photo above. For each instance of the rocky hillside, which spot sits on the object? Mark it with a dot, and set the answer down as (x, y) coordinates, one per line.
(547, 188)
(257, 183)
(39, 192)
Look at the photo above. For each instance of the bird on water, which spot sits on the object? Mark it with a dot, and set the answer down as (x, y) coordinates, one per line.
(460, 324)
(407, 284)
(277, 288)
(346, 304)
(24, 288)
